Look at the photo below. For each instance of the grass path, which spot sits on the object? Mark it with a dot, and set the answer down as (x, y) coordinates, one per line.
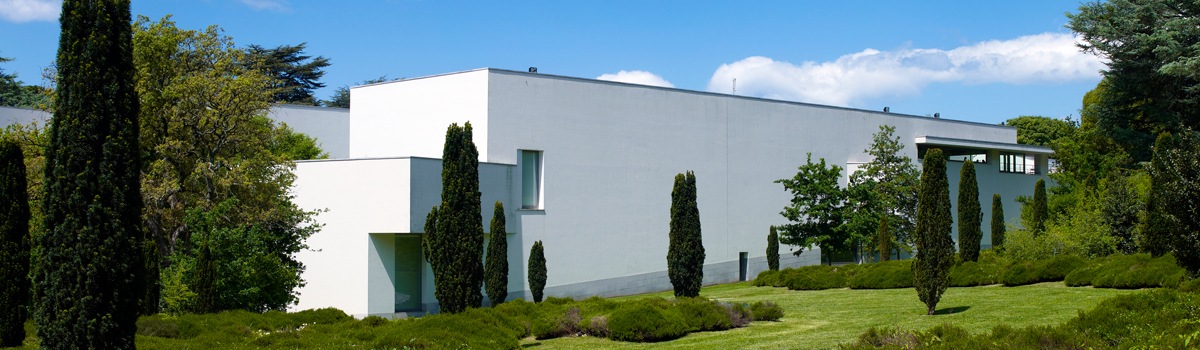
(823, 319)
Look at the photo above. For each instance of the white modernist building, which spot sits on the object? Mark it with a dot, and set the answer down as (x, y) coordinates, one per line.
(587, 167)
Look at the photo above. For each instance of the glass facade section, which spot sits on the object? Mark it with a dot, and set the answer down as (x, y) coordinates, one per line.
(408, 273)
(531, 179)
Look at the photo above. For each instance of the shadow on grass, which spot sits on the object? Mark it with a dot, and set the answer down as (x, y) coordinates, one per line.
(951, 310)
(530, 345)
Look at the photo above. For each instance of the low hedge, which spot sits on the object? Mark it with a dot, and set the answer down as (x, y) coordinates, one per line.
(986, 271)
(883, 275)
(1048, 270)
(1128, 271)
(646, 320)
(1155, 319)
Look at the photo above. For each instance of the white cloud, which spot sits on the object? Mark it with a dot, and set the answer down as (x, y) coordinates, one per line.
(276, 5)
(637, 77)
(20, 11)
(1048, 58)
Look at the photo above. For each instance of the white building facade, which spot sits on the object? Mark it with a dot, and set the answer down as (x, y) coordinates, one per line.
(587, 167)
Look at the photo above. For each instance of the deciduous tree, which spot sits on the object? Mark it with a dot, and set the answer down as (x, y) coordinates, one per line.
(885, 186)
(935, 248)
(816, 209)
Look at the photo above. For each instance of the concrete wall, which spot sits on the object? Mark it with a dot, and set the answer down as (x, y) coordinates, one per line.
(330, 126)
(409, 117)
(13, 115)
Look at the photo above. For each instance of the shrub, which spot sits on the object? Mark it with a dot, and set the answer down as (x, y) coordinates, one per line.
(566, 323)
(496, 270)
(1190, 286)
(815, 277)
(644, 321)
(703, 315)
(448, 331)
(1053, 269)
(766, 311)
(537, 271)
(1128, 271)
(597, 326)
(984, 272)
(768, 278)
(883, 275)
(739, 314)
(685, 255)
(156, 326)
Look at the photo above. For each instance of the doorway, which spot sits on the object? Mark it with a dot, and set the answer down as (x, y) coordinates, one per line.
(743, 265)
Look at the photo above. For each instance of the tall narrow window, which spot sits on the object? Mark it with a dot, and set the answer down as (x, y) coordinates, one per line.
(531, 179)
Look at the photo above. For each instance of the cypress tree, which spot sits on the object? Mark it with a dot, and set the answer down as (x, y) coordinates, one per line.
(454, 246)
(935, 248)
(773, 250)
(997, 223)
(497, 259)
(970, 215)
(1040, 212)
(88, 266)
(884, 236)
(537, 271)
(14, 245)
(153, 288)
(685, 255)
(1156, 230)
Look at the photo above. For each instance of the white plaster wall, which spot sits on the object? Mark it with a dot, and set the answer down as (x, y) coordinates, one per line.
(13, 115)
(611, 152)
(409, 117)
(362, 197)
(992, 181)
(330, 126)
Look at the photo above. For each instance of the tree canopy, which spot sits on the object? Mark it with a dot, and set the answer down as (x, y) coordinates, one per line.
(294, 74)
(1039, 130)
(815, 211)
(885, 187)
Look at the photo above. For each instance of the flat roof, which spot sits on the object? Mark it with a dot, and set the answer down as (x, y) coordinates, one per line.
(1010, 147)
(715, 94)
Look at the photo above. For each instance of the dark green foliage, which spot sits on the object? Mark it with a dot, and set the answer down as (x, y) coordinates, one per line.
(292, 145)
(1156, 319)
(204, 282)
(884, 238)
(998, 227)
(768, 278)
(766, 311)
(153, 287)
(341, 95)
(646, 322)
(1190, 286)
(1048, 270)
(883, 275)
(1128, 271)
(454, 246)
(935, 248)
(14, 245)
(496, 271)
(1040, 213)
(294, 78)
(703, 315)
(685, 255)
(815, 277)
(88, 261)
(537, 271)
(1120, 213)
(1039, 130)
(970, 214)
(816, 208)
(14, 93)
(773, 250)
(1157, 229)
(1175, 216)
(884, 188)
(986, 271)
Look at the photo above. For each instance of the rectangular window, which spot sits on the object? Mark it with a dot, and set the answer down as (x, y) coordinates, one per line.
(531, 179)
(1018, 163)
(974, 158)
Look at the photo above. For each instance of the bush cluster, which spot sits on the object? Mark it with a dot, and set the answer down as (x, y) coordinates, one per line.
(986, 271)
(1047, 270)
(883, 275)
(1128, 271)
(1165, 319)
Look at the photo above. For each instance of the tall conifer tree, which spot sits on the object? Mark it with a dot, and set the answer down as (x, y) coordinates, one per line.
(89, 259)
(14, 245)
(1041, 212)
(773, 250)
(153, 287)
(970, 215)
(998, 228)
(496, 270)
(685, 255)
(935, 248)
(537, 270)
(1156, 229)
(454, 248)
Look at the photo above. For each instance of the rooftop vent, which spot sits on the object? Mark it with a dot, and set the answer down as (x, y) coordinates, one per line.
(533, 69)
(887, 110)
(937, 116)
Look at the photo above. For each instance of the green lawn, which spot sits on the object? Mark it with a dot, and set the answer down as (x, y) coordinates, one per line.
(823, 319)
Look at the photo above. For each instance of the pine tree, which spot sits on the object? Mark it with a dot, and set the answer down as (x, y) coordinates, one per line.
(496, 271)
(153, 287)
(1041, 213)
(935, 248)
(685, 255)
(14, 245)
(884, 236)
(87, 272)
(454, 246)
(1157, 229)
(537, 271)
(970, 215)
(773, 250)
(998, 227)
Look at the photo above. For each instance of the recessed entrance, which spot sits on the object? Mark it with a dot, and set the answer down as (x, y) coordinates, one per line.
(408, 273)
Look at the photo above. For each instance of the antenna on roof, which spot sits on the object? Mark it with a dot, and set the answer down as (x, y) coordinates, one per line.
(735, 86)
(533, 69)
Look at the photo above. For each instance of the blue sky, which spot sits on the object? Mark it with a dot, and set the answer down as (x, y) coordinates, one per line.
(977, 61)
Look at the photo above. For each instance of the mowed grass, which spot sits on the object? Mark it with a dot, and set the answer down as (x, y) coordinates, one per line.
(823, 319)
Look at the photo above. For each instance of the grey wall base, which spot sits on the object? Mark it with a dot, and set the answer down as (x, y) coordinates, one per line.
(653, 282)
